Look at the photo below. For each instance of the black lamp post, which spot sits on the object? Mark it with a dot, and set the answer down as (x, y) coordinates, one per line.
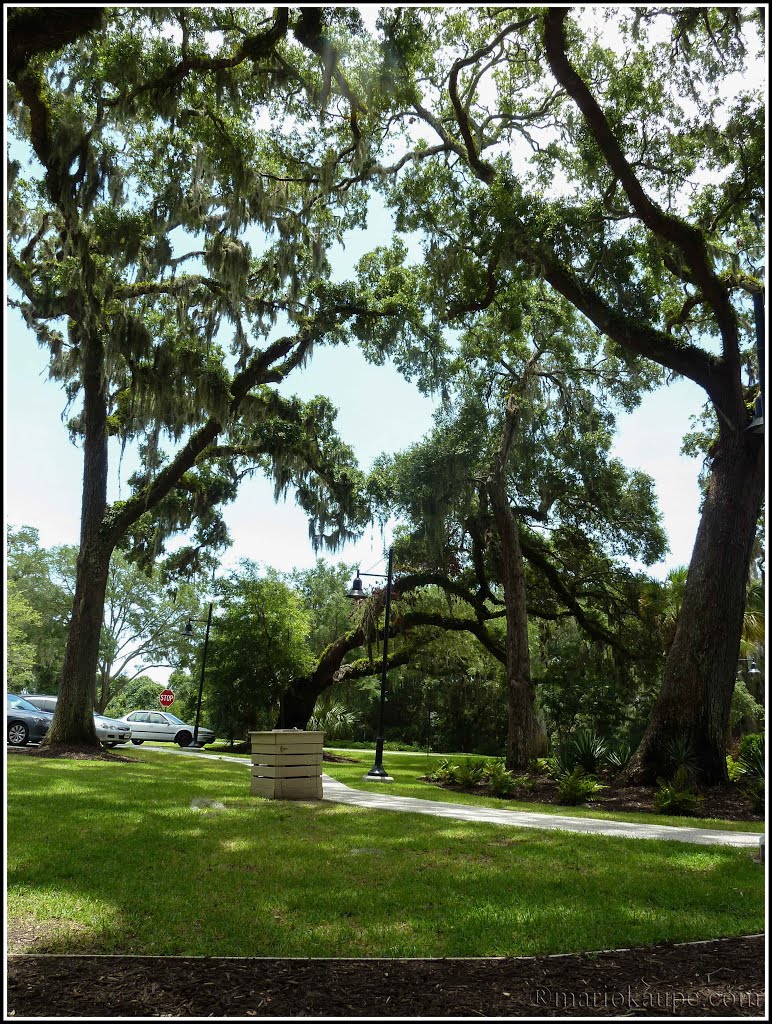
(378, 773)
(189, 632)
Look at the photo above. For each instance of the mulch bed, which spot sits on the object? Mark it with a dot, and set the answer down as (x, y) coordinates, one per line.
(725, 802)
(724, 978)
(71, 752)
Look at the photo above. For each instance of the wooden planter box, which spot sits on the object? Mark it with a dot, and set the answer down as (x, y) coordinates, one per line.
(287, 764)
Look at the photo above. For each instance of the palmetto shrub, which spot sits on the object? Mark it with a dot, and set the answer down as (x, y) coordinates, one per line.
(681, 754)
(618, 755)
(589, 750)
(562, 761)
(334, 720)
(751, 755)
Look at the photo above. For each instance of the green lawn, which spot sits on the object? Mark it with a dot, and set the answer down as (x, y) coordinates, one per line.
(111, 858)
(407, 769)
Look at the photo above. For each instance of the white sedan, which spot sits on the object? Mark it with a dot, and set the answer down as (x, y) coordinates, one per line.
(163, 727)
(110, 731)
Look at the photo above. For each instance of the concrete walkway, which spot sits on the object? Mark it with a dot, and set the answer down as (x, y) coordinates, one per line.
(338, 793)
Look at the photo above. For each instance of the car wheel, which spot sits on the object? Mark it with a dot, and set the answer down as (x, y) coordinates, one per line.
(137, 742)
(184, 739)
(18, 734)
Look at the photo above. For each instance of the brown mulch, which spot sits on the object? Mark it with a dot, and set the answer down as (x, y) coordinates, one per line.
(71, 752)
(339, 759)
(724, 978)
(726, 802)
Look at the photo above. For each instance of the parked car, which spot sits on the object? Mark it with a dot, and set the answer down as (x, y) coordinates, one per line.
(110, 731)
(24, 722)
(163, 727)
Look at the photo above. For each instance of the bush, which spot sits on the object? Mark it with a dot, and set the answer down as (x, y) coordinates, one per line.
(682, 755)
(444, 772)
(733, 769)
(589, 750)
(676, 796)
(576, 787)
(541, 765)
(752, 769)
(754, 790)
(469, 773)
(526, 782)
(618, 756)
(500, 780)
(562, 762)
(748, 750)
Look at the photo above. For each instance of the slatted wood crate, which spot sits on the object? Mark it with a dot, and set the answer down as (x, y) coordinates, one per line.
(287, 764)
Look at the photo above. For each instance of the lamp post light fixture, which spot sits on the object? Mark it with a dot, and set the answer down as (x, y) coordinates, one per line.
(752, 670)
(378, 773)
(189, 632)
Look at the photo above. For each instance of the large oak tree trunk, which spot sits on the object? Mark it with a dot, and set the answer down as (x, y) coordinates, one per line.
(73, 721)
(526, 736)
(701, 666)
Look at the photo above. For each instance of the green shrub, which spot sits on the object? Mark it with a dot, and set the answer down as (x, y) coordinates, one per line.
(589, 750)
(682, 755)
(525, 782)
(618, 756)
(500, 781)
(541, 765)
(444, 772)
(750, 754)
(733, 769)
(576, 787)
(754, 790)
(469, 773)
(676, 796)
(561, 762)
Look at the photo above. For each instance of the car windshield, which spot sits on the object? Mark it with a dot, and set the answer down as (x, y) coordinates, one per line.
(15, 703)
(173, 719)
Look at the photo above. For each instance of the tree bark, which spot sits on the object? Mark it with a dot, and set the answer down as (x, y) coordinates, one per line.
(74, 716)
(701, 666)
(526, 737)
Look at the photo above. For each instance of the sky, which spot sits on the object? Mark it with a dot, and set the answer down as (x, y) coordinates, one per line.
(378, 412)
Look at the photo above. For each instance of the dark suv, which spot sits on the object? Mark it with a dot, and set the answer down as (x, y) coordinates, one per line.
(24, 722)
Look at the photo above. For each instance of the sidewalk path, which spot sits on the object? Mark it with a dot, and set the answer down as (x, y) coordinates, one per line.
(338, 793)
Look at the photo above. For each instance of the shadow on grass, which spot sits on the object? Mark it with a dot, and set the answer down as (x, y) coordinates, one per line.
(112, 859)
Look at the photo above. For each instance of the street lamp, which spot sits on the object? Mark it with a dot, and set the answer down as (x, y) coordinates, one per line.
(378, 773)
(752, 669)
(189, 632)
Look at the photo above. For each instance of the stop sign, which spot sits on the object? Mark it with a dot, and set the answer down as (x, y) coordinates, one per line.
(166, 697)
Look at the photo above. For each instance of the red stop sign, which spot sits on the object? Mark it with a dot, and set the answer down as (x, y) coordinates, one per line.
(166, 697)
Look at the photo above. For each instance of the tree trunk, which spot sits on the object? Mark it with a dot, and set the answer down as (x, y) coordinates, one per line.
(526, 736)
(701, 665)
(299, 702)
(73, 721)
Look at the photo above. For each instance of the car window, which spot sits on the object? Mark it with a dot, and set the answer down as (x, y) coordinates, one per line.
(14, 703)
(173, 719)
(156, 719)
(44, 703)
(137, 716)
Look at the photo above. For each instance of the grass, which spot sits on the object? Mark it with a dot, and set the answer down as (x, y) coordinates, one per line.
(111, 858)
(406, 770)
